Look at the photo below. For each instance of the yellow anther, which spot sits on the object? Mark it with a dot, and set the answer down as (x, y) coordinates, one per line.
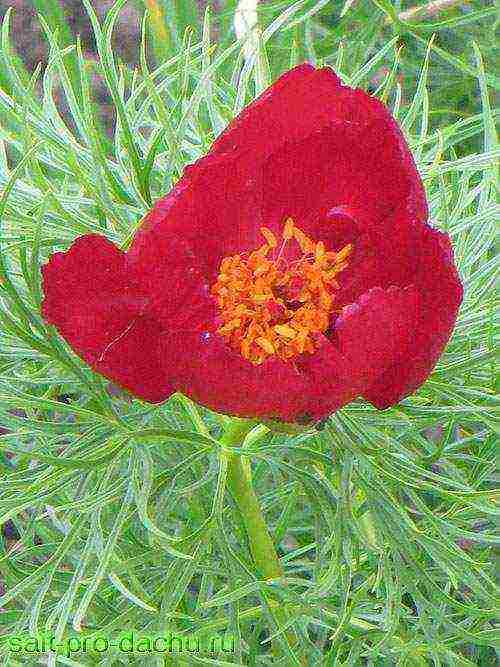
(300, 341)
(265, 344)
(288, 230)
(259, 298)
(264, 250)
(320, 251)
(245, 348)
(260, 270)
(340, 267)
(305, 243)
(325, 299)
(230, 326)
(269, 236)
(285, 330)
(345, 252)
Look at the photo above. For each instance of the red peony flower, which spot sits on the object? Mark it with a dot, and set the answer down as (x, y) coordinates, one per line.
(289, 271)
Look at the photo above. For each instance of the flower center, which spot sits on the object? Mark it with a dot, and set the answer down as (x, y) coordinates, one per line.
(269, 306)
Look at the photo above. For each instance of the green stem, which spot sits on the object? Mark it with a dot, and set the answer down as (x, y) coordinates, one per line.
(265, 557)
(239, 482)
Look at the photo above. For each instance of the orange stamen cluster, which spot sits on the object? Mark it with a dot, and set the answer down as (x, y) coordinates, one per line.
(269, 306)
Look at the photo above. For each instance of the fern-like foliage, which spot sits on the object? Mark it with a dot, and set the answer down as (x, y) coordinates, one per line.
(115, 513)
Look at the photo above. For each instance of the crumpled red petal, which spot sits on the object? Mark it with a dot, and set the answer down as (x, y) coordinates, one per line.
(369, 337)
(299, 102)
(171, 274)
(376, 330)
(207, 371)
(104, 318)
(441, 292)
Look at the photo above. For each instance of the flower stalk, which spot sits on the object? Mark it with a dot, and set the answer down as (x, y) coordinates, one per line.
(239, 482)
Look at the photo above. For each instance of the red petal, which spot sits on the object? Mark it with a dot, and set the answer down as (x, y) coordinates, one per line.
(215, 209)
(441, 292)
(166, 269)
(343, 226)
(209, 372)
(333, 380)
(103, 317)
(299, 102)
(376, 330)
(369, 336)
(358, 167)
